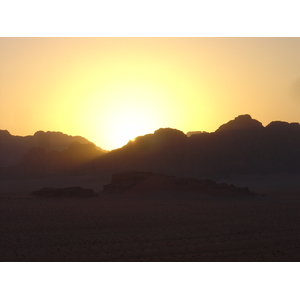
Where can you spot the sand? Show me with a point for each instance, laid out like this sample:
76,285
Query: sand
158,227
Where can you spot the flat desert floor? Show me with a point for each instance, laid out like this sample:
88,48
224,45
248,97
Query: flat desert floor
151,227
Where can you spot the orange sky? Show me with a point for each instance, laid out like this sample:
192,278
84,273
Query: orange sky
110,90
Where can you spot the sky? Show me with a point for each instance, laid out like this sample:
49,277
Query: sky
110,90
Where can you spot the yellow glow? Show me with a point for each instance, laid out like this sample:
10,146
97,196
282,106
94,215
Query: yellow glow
134,97
128,109
110,90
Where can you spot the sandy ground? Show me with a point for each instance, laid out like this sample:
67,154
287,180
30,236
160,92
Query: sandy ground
152,227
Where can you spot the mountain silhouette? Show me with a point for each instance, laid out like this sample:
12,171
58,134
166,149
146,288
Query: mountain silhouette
13,148
241,146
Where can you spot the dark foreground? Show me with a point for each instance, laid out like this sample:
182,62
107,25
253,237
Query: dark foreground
161,227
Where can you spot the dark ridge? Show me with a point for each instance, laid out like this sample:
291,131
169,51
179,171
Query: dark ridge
280,126
240,147
169,134
4,134
241,122
13,148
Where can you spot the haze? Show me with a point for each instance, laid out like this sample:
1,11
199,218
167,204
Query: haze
111,90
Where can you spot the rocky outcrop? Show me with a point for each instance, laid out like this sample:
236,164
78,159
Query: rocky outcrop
124,180
241,122
146,182
64,192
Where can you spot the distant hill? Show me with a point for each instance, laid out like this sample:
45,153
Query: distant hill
38,162
13,148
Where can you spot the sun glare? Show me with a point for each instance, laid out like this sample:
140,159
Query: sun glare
130,109
110,90
131,116
132,123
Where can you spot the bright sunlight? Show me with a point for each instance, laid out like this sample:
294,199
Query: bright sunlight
130,109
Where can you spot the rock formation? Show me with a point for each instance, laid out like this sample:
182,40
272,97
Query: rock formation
241,122
145,182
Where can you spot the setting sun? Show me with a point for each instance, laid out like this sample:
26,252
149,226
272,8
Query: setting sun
129,114
128,108
131,124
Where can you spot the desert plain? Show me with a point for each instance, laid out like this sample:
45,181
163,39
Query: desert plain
151,226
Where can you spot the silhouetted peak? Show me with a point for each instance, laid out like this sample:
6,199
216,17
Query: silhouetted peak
51,134
160,138
39,133
280,125
4,133
169,134
241,122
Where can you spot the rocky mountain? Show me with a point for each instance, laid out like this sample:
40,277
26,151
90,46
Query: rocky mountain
242,146
13,148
